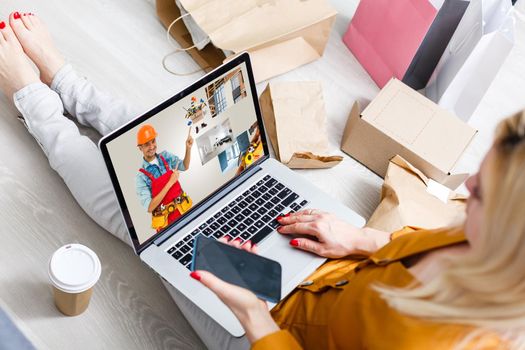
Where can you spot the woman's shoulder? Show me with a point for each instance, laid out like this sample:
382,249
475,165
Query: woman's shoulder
410,241
446,232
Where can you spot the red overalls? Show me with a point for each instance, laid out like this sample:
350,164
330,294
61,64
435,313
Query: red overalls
157,184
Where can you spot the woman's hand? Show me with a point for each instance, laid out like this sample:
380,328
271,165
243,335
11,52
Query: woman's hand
329,236
251,311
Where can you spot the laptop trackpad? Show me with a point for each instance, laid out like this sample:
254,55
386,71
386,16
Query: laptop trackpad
292,260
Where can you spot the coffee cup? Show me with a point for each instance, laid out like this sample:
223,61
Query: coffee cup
74,270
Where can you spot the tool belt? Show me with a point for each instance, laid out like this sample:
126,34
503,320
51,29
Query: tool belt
159,217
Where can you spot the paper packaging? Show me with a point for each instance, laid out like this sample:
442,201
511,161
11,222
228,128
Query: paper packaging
384,35
402,121
277,42
209,57
403,39
409,198
438,36
73,270
473,57
294,118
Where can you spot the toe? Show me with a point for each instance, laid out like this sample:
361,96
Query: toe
31,19
34,19
2,27
26,19
15,21
7,32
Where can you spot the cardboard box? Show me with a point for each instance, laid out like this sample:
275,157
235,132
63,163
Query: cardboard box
402,121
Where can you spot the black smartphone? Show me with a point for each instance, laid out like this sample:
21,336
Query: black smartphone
236,266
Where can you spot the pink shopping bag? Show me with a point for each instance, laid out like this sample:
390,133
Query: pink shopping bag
384,35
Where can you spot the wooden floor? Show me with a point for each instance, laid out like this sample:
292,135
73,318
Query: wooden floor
119,45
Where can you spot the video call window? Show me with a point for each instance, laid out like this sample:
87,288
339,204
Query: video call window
193,147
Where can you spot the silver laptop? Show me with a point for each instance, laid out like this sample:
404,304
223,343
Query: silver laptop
227,183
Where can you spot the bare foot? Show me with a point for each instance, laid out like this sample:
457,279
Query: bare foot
15,69
37,43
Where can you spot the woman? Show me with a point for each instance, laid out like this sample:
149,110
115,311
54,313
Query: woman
424,288
446,288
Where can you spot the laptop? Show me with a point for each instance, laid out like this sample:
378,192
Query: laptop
227,183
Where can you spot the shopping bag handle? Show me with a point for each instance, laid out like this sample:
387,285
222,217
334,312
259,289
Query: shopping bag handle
170,40
178,49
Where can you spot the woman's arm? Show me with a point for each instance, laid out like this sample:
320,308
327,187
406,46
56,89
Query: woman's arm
331,237
251,311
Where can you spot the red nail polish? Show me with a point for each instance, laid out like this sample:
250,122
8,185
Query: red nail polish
195,275
294,243
16,15
2,25
286,215
237,239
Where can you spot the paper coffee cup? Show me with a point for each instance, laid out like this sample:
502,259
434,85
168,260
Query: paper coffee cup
73,270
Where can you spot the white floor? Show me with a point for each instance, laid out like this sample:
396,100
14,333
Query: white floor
119,45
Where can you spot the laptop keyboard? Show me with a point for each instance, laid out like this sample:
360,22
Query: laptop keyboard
250,216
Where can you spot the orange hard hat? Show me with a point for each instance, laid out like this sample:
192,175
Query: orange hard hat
145,134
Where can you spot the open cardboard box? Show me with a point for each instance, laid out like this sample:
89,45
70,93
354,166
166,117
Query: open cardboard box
402,121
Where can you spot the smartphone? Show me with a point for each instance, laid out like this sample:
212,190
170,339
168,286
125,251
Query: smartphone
236,266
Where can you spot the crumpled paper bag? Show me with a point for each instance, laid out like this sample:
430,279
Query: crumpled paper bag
409,198
294,118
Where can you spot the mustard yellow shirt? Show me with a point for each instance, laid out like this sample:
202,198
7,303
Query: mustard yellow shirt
337,308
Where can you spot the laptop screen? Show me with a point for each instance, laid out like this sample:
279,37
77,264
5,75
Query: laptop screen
169,162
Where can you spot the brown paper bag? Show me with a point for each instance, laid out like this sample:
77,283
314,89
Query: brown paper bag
280,35
294,118
409,198
209,57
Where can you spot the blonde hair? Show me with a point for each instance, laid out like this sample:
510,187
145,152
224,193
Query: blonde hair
484,287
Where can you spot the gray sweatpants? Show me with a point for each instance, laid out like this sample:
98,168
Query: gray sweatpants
79,162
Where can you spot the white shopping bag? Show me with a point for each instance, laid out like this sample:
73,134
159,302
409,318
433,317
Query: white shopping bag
476,52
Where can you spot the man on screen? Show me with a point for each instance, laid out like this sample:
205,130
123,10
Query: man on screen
157,181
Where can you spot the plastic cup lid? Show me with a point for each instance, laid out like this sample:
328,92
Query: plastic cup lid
74,268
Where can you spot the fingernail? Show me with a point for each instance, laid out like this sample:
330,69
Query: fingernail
248,242
286,215
2,25
294,243
237,239
280,217
16,15
195,275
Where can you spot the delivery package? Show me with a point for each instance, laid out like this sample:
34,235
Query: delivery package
481,44
280,35
401,121
410,198
403,39
295,120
